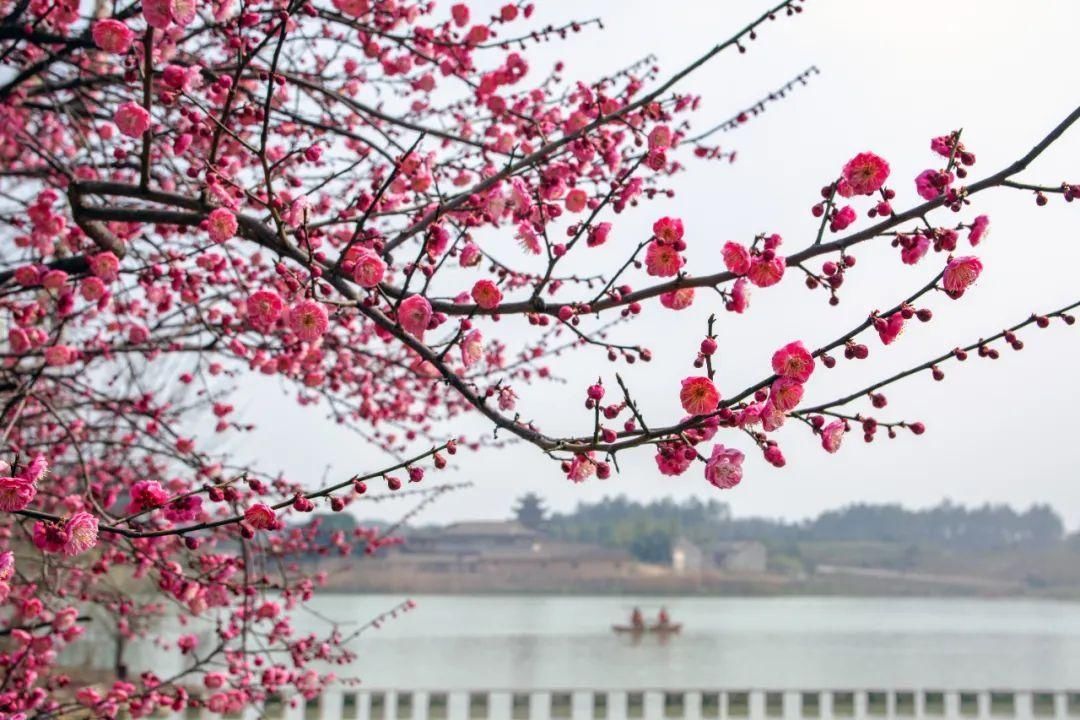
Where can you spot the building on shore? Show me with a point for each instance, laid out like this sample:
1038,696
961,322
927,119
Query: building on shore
734,556
474,537
507,556
503,548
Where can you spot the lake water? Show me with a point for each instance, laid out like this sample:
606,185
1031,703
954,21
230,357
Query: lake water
517,642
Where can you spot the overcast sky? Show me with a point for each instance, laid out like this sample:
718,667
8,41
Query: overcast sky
893,75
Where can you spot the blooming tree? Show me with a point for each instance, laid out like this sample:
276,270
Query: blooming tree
360,198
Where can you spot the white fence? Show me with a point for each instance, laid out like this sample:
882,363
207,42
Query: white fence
367,704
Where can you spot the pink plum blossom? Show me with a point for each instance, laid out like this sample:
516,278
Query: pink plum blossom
132,119
843,218
82,533
264,307
105,265
765,272
158,13
889,328
472,348
785,393
723,469
221,224
184,509
915,250
740,296
662,260
112,36
60,355
736,258
486,294
980,227
576,200
507,398
308,319
793,361
930,184
673,458
370,269
960,273
660,137
598,234
866,173
772,417
182,12
35,469
699,396
704,431
470,255
774,456
678,299
51,537
832,435
582,467
668,230
261,516
16,493
145,495
414,315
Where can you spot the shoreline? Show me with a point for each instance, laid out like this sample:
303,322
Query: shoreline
1073,597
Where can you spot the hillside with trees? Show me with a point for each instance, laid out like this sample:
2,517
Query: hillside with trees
861,534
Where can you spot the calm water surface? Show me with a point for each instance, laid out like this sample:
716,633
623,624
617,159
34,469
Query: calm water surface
504,642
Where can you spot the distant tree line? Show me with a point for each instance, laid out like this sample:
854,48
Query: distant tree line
648,530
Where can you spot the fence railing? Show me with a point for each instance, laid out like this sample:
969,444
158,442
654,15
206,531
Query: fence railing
922,704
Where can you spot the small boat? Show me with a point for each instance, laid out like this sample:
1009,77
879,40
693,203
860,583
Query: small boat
668,629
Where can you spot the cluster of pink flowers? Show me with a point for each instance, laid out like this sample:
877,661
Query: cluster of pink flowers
18,491
663,255
932,184
71,536
190,207
763,267
889,328
793,365
585,465
147,495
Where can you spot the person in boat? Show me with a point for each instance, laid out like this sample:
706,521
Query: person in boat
662,619
637,621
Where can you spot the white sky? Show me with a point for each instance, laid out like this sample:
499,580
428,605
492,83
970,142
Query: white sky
893,76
